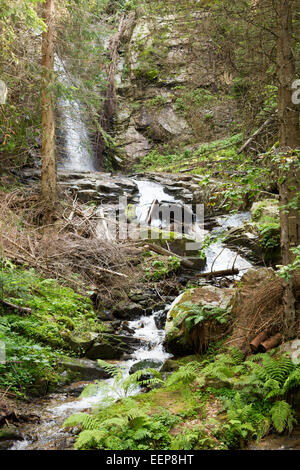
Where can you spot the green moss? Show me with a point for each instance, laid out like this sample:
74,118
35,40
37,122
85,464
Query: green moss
34,342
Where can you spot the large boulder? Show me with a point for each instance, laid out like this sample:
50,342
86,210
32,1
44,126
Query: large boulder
82,369
266,209
109,346
125,310
180,340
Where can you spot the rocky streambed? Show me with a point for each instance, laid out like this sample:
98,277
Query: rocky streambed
135,329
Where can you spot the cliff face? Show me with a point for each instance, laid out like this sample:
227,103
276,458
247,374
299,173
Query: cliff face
172,91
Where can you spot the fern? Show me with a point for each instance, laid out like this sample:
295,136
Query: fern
278,369
91,439
86,421
282,416
292,382
185,374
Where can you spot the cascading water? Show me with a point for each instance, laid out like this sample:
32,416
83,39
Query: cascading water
217,255
78,154
49,434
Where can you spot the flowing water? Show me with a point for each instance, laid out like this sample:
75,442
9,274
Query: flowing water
49,434
78,154
218,256
53,411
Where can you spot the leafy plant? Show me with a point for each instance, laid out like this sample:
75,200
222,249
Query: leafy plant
200,313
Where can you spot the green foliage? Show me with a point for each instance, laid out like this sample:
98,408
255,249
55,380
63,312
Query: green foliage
196,439
200,313
185,374
270,235
57,311
287,271
29,367
35,342
130,429
282,416
162,269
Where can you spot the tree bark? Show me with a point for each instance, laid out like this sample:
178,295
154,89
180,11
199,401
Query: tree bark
49,185
289,139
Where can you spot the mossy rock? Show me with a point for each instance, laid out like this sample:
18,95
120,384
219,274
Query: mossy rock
170,366
83,369
266,209
10,432
110,346
179,340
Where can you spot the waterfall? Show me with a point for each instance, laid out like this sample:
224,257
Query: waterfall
78,154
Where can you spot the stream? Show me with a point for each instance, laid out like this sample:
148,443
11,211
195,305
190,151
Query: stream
52,410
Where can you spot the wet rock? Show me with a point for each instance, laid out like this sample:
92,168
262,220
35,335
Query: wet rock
128,311
170,366
125,329
83,369
112,346
240,237
10,433
76,388
105,315
97,186
160,319
145,364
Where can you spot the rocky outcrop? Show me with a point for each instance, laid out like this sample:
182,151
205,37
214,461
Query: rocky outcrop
97,186
109,346
170,89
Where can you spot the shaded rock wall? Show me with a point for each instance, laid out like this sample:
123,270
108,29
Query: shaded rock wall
171,90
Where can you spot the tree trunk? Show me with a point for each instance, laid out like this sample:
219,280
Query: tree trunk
49,189
289,139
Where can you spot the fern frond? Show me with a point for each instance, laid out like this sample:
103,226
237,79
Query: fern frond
87,422
91,439
282,416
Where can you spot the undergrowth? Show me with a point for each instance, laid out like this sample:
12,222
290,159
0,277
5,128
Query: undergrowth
251,399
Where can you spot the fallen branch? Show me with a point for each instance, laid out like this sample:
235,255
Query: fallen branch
150,211
256,133
224,272
108,271
162,251
16,307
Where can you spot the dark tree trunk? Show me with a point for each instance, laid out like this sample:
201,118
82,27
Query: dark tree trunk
289,140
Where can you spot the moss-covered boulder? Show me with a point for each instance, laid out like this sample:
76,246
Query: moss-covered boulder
109,346
82,369
268,208
196,318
